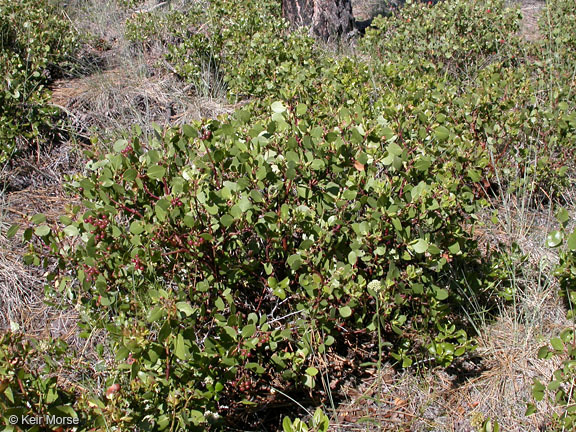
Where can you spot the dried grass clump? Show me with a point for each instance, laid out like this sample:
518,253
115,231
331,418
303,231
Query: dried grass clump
22,287
115,100
19,289
43,167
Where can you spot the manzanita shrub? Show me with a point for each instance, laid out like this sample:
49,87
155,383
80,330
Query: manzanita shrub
230,258
228,255
456,38
36,44
32,381
506,91
559,391
225,43
557,25
248,51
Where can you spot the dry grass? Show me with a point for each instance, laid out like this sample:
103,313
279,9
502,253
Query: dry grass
114,100
22,287
530,10
31,185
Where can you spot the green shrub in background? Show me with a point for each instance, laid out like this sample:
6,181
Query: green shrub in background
515,107
558,52
235,49
557,25
456,38
36,42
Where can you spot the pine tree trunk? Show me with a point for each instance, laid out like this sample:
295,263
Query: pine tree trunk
329,20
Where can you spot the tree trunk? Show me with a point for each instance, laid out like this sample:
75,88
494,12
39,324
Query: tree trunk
328,20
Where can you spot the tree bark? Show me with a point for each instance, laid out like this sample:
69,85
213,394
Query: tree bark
329,20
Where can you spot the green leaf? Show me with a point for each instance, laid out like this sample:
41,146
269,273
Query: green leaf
244,204
423,163
189,131
185,308
12,231
163,422
278,107
554,239
256,196
440,293
248,330
455,248
227,220
474,175
42,230
352,257
538,390
441,133
545,353
180,349
571,241
345,311
255,367
294,261
419,246
156,172
219,303
394,149
136,227
530,409
38,218
161,209
490,426
287,425
120,145
563,215
312,371
71,231
155,314
9,394
64,411
301,109
557,344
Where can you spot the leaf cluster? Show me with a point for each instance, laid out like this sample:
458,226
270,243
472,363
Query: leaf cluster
36,44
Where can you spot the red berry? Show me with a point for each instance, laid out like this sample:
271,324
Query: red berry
114,388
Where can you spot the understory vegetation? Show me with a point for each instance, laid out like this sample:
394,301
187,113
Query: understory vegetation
242,271
36,46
